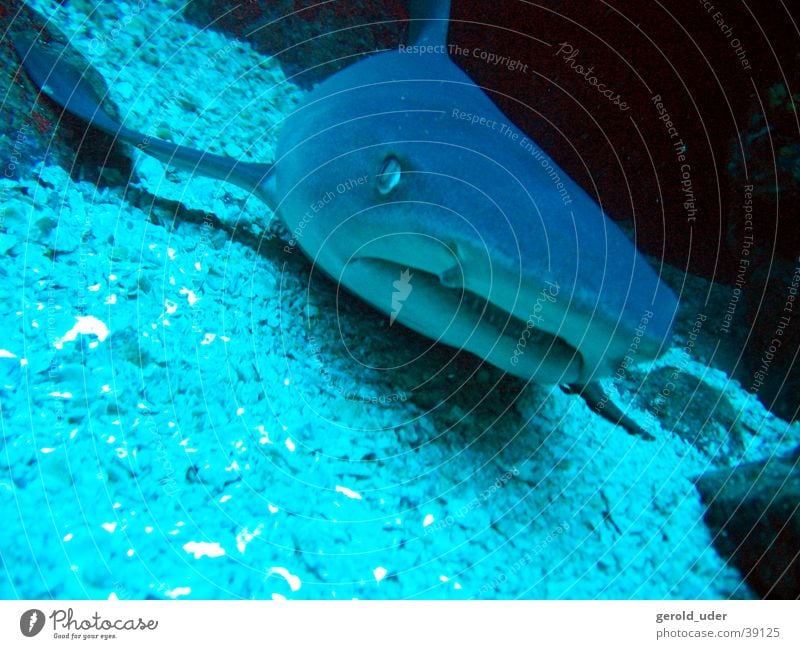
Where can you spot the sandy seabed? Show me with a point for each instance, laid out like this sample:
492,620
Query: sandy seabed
189,411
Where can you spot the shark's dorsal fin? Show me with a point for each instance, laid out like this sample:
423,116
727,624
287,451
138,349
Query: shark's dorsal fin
429,22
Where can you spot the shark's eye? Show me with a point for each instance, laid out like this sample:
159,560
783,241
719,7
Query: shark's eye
389,175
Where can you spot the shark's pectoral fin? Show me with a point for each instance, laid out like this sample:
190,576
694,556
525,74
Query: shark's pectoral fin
65,83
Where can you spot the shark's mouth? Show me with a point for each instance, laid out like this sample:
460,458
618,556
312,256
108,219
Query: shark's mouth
502,320
461,318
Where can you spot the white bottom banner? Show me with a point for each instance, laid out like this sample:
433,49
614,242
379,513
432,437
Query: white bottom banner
387,624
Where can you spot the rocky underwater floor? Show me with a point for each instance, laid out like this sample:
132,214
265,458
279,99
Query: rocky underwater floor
189,411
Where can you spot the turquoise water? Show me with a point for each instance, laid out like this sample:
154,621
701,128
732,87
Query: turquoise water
190,411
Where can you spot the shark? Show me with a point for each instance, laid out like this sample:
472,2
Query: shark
402,180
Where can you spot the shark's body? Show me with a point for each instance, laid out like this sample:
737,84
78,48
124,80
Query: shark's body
478,207
400,169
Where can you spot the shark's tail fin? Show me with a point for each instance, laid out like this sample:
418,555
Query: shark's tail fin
65,83
429,21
